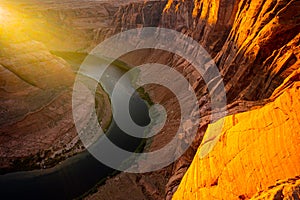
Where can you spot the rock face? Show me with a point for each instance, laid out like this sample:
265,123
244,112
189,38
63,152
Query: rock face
287,189
136,15
255,45
255,52
255,149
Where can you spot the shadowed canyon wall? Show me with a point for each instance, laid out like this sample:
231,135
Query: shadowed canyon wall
255,44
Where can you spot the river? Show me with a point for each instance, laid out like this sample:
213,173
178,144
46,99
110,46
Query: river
80,173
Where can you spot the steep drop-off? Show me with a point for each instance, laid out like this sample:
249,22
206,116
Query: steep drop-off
255,45
260,50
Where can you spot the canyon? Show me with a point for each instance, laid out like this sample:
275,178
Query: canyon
37,128
255,45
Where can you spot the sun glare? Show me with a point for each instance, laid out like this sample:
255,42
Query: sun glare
4,14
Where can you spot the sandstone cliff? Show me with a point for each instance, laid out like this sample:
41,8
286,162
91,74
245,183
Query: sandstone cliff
256,149
255,44
260,50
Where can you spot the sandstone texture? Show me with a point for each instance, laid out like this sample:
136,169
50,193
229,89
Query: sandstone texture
36,122
255,45
259,51
255,149
287,189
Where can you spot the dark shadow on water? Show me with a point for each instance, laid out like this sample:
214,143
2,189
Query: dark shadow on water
77,175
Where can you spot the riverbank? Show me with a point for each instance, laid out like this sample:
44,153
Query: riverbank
83,169
51,157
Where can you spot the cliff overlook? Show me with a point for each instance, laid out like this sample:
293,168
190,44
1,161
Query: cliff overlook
255,45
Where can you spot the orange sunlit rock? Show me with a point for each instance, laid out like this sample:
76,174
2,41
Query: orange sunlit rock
168,5
209,9
287,189
255,149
